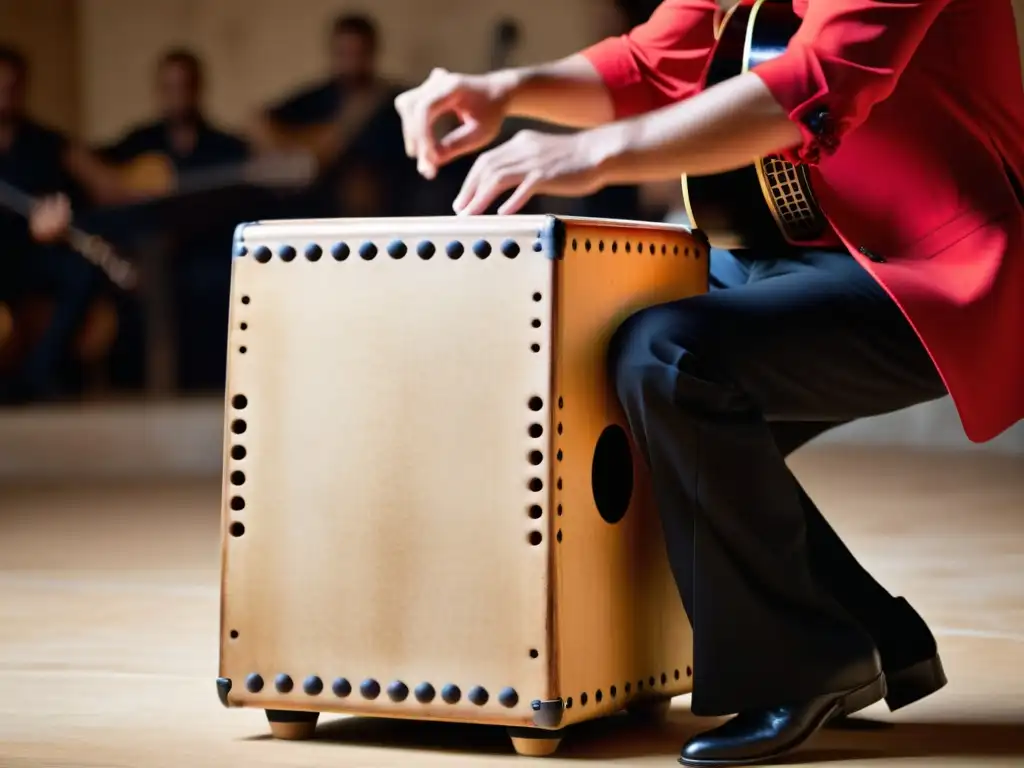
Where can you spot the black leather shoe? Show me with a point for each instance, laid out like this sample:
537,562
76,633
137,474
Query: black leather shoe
915,682
910,658
760,735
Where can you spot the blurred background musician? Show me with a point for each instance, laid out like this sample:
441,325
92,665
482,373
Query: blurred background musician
194,231
349,122
181,133
44,164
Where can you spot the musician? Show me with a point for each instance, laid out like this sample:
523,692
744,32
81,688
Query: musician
909,115
349,121
182,133
184,136
46,164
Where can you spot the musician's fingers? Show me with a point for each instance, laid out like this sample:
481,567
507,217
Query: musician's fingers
402,108
491,185
468,137
50,218
472,180
412,114
407,106
414,108
420,130
427,142
529,187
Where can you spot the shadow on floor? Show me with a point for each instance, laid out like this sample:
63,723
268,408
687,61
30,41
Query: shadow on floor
621,737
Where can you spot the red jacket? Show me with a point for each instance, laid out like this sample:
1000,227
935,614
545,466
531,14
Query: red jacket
913,123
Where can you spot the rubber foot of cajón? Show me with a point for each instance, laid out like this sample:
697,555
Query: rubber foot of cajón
535,742
292,726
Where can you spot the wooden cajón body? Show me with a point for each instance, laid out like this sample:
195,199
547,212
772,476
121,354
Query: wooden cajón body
432,508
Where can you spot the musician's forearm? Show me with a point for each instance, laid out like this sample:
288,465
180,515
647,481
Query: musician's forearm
567,92
723,128
262,133
99,181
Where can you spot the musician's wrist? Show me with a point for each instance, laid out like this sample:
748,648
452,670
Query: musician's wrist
608,148
505,86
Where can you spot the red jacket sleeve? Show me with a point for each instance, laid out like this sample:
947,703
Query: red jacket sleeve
659,62
846,57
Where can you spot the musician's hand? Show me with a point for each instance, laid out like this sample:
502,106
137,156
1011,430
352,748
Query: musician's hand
50,218
479,101
532,163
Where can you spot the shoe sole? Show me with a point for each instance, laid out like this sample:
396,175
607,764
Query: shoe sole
845,704
914,683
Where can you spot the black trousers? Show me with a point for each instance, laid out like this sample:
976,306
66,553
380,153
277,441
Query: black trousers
72,282
718,390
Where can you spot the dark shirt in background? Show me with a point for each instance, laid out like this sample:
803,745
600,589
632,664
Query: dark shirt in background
34,161
213,147
197,227
314,104
202,216
377,149
34,164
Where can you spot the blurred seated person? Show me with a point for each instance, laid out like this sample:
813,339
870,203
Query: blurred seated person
181,133
58,172
349,122
201,244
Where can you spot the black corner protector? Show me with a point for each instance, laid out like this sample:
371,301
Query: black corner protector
238,239
536,733
223,689
547,714
553,237
700,236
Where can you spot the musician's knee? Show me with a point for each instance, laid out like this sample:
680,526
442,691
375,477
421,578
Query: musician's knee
646,349
674,353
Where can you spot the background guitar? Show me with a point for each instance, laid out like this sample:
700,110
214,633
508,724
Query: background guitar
95,249
154,176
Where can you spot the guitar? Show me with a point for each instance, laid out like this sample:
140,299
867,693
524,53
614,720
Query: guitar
153,174
771,200
94,249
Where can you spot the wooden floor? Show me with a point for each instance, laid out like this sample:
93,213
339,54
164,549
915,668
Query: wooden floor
109,610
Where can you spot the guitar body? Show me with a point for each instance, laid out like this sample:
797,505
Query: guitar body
769,202
151,173
317,139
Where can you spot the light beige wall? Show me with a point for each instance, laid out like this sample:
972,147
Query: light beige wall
258,49
45,31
